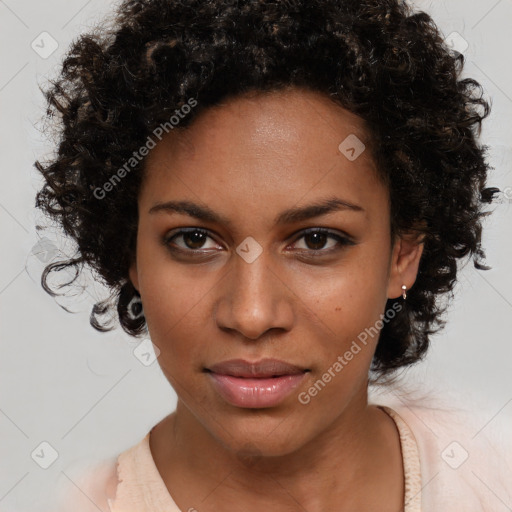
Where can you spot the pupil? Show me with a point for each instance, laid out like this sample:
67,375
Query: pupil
318,237
197,238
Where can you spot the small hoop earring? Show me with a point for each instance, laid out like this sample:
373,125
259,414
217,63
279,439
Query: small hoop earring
135,309
404,295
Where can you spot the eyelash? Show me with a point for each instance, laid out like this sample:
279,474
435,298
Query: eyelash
342,241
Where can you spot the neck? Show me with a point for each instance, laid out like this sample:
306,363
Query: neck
349,466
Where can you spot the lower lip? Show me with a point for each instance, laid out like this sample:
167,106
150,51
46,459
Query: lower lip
255,393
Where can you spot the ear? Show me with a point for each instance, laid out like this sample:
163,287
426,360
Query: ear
405,260
134,275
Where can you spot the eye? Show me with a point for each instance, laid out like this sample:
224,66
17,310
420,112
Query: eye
193,239
316,238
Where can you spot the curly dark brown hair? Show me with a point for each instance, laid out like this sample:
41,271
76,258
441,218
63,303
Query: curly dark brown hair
379,59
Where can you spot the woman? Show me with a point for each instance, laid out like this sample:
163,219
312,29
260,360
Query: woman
278,194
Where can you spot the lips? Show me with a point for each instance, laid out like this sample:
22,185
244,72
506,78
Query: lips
265,383
266,368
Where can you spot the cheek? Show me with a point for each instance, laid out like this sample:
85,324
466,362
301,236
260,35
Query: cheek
342,314
175,300
347,300
175,311
176,323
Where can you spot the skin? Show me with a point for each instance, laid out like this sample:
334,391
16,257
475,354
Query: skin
248,160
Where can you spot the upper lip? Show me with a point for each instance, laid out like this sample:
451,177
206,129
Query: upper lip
259,369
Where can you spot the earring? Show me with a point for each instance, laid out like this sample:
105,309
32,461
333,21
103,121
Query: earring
135,310
404,295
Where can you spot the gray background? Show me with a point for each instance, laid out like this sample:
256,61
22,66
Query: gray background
88,394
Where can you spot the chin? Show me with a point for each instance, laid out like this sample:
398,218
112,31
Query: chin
261,436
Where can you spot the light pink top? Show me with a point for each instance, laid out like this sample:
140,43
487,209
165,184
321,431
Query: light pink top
446,466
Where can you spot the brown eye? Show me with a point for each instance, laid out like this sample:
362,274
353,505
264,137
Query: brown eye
316,239
193,239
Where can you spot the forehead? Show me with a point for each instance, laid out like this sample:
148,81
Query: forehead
272,147
294,118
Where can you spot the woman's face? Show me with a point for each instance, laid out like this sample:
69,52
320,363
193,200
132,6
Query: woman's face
252,175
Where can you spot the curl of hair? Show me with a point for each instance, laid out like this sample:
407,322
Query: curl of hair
377,58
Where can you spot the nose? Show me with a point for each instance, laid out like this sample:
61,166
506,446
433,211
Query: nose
254,298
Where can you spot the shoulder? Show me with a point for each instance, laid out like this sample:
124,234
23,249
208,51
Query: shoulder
465,454
88,486
101,485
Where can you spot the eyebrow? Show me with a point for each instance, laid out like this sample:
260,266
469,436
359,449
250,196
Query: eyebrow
296,214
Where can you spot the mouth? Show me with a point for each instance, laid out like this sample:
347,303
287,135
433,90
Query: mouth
263,369
261,384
